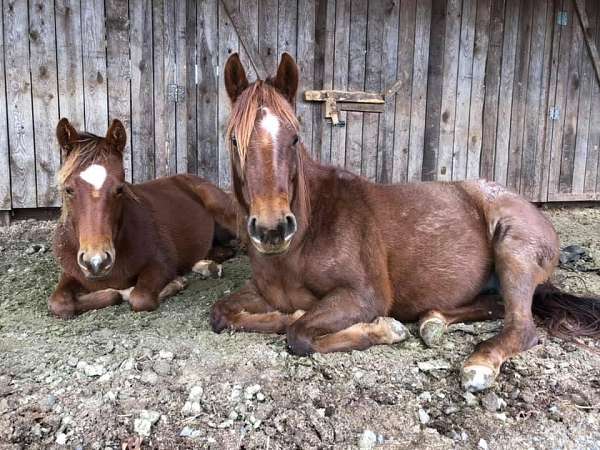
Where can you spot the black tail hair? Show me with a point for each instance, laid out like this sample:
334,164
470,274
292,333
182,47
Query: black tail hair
567,315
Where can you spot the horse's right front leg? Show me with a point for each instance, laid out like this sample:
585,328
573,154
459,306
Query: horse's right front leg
247,310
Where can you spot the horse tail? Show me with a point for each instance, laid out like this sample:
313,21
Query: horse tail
566,315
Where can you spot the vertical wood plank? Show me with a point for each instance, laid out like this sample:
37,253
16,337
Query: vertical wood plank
286,27
228,44
267,33
373,77
492,90
419,90
403,96
537,102
340,76
356,82
588,81
181,76
248,37
142,126
42,45
18,99
451,52
170,69
161,147
207,47
572,106
592,167
94,66
5,195
190,101
306,64
463,90
434,90
118,71
69,61
385,157
511,28
480,51
515,147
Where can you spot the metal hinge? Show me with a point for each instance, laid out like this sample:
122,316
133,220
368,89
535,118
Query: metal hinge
562,18
554,113
175,93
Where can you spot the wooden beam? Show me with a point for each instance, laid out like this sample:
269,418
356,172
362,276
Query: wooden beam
345,96
591,45
361,107
247,40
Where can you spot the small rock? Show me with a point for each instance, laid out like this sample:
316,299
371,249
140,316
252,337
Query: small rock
260,397
162,367
482,444
424,397
527,397
128,364
492,402
192,406
226,424
72,361
163,354
451,410
143,424
423,416
34,248
91,370
501,416
470,399
250,391
61,438
433,364
149,377
367,440
190,432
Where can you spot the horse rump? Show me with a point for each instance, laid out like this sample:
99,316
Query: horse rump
567,315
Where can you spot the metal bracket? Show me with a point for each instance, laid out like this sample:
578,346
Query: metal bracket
562,18
554,113
175,93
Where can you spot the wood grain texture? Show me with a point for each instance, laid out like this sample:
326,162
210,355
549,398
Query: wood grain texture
287,27
592,166
170,79
190,100
5,194
306,63
18,101
69,61
208,76
94,66
44,84
142,126
161,148
478,87
356,82
119,72
181,74
267,34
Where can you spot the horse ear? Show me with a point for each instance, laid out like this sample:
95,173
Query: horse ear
116,135
286,80
66,134
235,77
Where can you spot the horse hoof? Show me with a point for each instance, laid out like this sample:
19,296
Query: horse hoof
396,330
432,330
208,269
477,377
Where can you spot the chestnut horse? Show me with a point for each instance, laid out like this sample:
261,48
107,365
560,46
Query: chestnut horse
117,241
336,258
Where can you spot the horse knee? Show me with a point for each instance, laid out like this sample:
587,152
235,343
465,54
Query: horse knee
299,340
61,307
219,317
141,301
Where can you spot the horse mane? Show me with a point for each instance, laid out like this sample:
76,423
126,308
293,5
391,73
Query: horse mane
244,110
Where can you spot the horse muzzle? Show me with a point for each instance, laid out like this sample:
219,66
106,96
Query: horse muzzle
272,237
96,263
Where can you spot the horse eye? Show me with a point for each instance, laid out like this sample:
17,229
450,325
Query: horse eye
70,191
295,141
119,190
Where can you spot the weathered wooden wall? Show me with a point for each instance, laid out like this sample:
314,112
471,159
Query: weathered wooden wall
501,89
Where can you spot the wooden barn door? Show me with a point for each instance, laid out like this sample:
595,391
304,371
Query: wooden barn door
573,131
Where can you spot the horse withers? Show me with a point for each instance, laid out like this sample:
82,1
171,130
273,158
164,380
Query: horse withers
116,241
337,260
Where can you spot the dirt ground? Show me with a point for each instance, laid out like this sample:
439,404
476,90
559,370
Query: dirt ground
110,375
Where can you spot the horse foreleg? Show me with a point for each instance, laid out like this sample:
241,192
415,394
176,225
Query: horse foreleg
247,310
68,300
343,320
433,324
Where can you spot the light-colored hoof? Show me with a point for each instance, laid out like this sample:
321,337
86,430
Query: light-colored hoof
180,282
299,313
395,330
208,268
432,331
477,377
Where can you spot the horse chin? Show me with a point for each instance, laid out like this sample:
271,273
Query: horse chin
272,249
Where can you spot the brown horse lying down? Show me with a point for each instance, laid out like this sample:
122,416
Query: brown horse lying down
117,241
333,255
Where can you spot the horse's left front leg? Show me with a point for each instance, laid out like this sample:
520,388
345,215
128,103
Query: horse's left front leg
345,319
149,289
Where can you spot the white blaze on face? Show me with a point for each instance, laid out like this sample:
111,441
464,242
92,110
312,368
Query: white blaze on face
94,175
270,123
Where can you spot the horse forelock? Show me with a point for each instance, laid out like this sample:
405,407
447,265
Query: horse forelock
85,152
243,115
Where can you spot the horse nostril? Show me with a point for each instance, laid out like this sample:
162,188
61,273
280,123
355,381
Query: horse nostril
80,259
252,230
108,260
291,225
